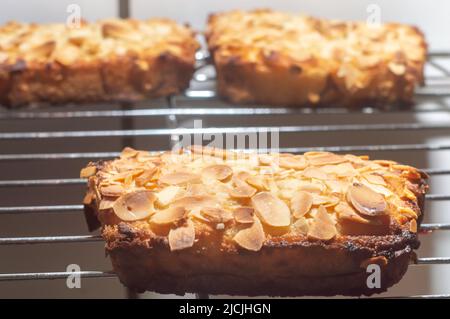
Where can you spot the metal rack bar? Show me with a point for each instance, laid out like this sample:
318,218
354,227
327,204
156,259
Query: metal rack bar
40,209
56,275
225,130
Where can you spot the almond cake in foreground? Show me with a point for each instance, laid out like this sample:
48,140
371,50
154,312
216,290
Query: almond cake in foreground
219,222
109,60
275,58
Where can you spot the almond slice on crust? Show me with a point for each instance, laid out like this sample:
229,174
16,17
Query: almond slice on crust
272,210
251,238
366,201
242,192
135,206
179,178
167,195
219,171
292,162
314,172
182,237
324,158
301,226
216,215
322,226
195,202
170,215
88,171
112,190
146,176
244,215
259,182
301,203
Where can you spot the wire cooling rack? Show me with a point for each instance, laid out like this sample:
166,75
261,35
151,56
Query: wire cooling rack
189,104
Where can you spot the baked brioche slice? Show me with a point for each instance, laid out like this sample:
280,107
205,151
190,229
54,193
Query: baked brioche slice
110,60
276,58
219,222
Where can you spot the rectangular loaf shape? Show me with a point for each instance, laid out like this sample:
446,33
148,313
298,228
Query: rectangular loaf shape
109,60
218,222
276,58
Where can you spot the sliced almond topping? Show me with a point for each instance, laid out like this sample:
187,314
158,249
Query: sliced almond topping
272,210
182,237
216,215
325,200
301,226
366,201
179,178
106,204
258,182
135,206
301,203
312,187
244,215
292,162
128,152
265,159
126,175
375,179
168,216
195,202
242,192
167,195
146,176
345,212
43,50
112,190
324,158
88,171
413,226
240,177
251,238
322,227
314,172
396,68
219,172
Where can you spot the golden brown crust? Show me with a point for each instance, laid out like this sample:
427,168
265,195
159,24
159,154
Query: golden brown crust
290,260
110,60
269,57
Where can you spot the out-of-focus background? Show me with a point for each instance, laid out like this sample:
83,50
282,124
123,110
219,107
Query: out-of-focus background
430,16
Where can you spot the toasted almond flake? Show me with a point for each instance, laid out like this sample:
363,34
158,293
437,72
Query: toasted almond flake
377,188
146,176
324,158
244,215
322,226
135,206
182,237
312,187
366,201
167,195
126,175
88,198
106,204
242,192
292,162
301,226
170,215
195,202
265,159
112,190
179,178
272,210
88,171
325,200
258,182
128,152
375,179
396,68
216,215
301,203
337,186
413,226
196,190
313,172
341,170
251,238
219,172
345,212
239,178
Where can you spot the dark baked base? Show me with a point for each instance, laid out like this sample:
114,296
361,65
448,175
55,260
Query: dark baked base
122,79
